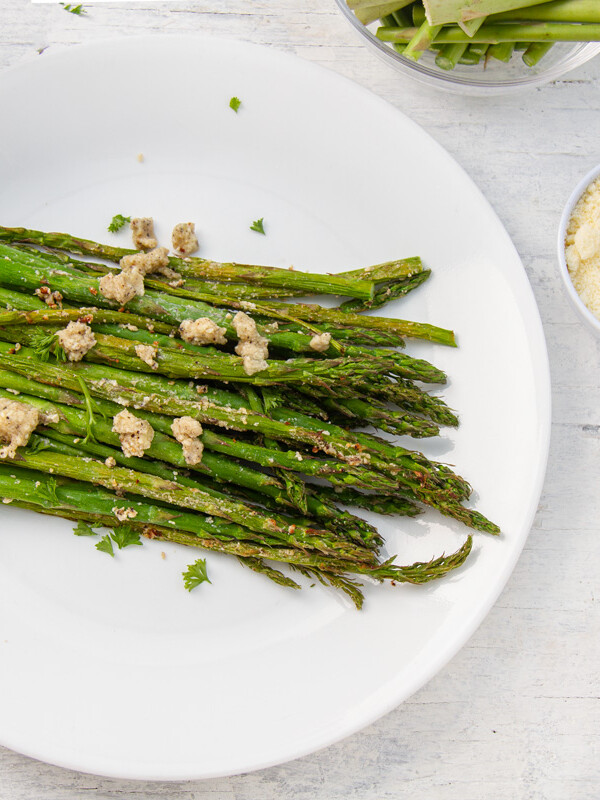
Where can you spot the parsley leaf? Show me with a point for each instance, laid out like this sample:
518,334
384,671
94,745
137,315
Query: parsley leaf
195,574
105,546
46,493
89,411
125,535
78,10
258,226
83,529
235,103
117,222
43,344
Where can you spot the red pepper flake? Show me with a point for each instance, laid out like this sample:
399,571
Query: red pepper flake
93,291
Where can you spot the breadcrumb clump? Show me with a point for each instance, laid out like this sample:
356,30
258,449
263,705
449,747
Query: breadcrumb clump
52,299
122,287
135,434
202,331
146,263
184,239
320,342
187,430
252,347
17,423
142,233
123,514
148,354
129,283
110,462
76,340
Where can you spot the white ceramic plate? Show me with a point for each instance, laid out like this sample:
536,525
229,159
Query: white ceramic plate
109,666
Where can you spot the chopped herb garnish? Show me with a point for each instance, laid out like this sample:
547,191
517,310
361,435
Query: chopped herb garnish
43,344
83,529
89,410
195,574
235,103
117,222
124,536
105,546
46,493
258,226
78,10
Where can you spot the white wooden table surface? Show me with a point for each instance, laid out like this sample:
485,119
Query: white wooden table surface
516,715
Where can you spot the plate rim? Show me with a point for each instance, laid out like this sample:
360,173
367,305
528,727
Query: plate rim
541,380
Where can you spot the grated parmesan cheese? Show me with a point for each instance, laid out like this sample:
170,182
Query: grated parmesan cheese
129,283
184,239
252,347
320,342
122,287
135,434
142,233
582,247
148,354
123,514
146,263
76,340
202,331
17,423
187,430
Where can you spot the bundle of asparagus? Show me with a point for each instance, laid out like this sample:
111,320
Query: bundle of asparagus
203,411
467,31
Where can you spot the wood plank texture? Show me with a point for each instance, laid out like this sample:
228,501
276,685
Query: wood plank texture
516,715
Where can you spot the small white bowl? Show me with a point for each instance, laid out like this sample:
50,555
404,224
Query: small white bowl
574,297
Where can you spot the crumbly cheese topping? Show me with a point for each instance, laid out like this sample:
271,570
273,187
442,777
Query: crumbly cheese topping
123,514
184,239
148,354
142,233
582,247
202,331
320,342
252,347
122,287
174,278
76,340
135,434
187,430
110,462
129,283
146,263
17,423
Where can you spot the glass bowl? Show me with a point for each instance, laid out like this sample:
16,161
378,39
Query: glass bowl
496,78
582,310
